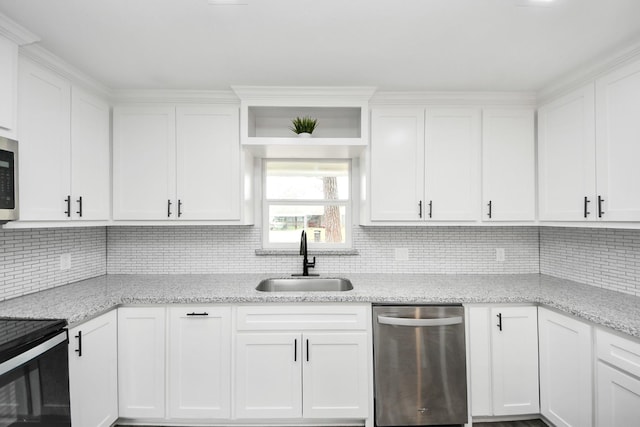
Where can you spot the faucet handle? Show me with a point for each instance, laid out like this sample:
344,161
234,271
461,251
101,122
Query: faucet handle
312,264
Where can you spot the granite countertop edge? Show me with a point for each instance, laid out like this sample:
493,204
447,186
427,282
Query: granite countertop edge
83,300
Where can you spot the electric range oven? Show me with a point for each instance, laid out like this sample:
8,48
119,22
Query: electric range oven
34,373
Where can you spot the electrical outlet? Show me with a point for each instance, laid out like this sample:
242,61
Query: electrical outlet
500,254
65,261
401,254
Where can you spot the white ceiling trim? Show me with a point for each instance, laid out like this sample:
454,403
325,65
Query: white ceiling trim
16,32
175,96
314,95
454,98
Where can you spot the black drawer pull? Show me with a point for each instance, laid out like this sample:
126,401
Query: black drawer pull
79,211
600,211
68,202
489,204
204,313
586,206
499,325
79,349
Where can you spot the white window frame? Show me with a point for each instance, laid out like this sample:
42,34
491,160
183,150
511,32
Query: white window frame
347,203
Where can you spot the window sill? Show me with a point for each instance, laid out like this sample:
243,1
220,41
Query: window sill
295,252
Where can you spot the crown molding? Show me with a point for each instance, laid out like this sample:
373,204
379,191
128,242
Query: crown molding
47,59
318,95
454,98
16,32
174,96
589,73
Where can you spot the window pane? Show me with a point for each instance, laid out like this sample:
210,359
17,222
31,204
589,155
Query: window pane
307,180
324,224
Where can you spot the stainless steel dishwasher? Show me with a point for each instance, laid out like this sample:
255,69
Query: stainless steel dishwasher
420,370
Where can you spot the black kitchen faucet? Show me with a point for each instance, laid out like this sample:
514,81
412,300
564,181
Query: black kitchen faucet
306,265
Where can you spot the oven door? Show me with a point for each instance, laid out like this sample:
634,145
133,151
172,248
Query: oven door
34,386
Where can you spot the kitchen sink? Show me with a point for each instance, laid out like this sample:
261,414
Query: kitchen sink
305,284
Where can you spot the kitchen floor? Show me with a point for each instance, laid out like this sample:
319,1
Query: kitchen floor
525,423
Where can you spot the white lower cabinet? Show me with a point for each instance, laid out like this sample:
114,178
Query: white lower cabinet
302,362
566,390
504,360
199,361
618,380
141,362
93,367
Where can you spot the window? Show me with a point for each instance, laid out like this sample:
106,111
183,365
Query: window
311,195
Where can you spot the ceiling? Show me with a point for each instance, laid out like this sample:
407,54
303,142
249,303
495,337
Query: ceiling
483,45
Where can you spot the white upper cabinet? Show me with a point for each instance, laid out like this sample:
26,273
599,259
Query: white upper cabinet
8,87
177,163
425,166
45,149
618,144
508,165
208,163
90,156
566,157
144,163
64,149
397,164
452,164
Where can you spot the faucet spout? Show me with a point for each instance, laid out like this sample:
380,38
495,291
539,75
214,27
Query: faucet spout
306,265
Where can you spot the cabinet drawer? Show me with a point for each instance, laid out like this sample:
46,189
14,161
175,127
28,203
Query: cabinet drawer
620,352
286,317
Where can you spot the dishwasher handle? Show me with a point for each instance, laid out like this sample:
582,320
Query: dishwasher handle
403,321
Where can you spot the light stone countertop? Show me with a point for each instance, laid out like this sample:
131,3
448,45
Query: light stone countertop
85,299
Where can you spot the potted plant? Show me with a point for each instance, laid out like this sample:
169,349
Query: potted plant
303,126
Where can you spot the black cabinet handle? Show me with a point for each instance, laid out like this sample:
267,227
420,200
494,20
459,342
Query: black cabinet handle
499,325
179,208
307,350
68,202
79,349
600,211
168,208
489,204
204,313
586,206
420,209
295,350
79,211
430,208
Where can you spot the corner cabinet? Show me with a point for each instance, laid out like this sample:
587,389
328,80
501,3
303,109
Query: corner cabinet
566,374
508,165
424,165
179,163
503,351
64,149
93,371
301,361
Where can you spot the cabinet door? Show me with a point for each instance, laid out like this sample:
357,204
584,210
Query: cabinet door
208,168
618,397
141,362
8,87
618,147
514,344
452,164
93,372
397,164
565,369
268,375
45,170
144,162
566,157
335,376
508,165
200,362
90,161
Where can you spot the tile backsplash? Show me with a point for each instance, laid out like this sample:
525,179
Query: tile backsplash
30,259
607,258
231,249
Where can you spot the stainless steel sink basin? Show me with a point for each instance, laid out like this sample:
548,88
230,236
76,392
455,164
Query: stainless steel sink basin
305,284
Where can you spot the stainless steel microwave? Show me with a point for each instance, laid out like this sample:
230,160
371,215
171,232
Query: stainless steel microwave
8,180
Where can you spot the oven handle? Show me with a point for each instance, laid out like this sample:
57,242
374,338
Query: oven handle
403,321
32,353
